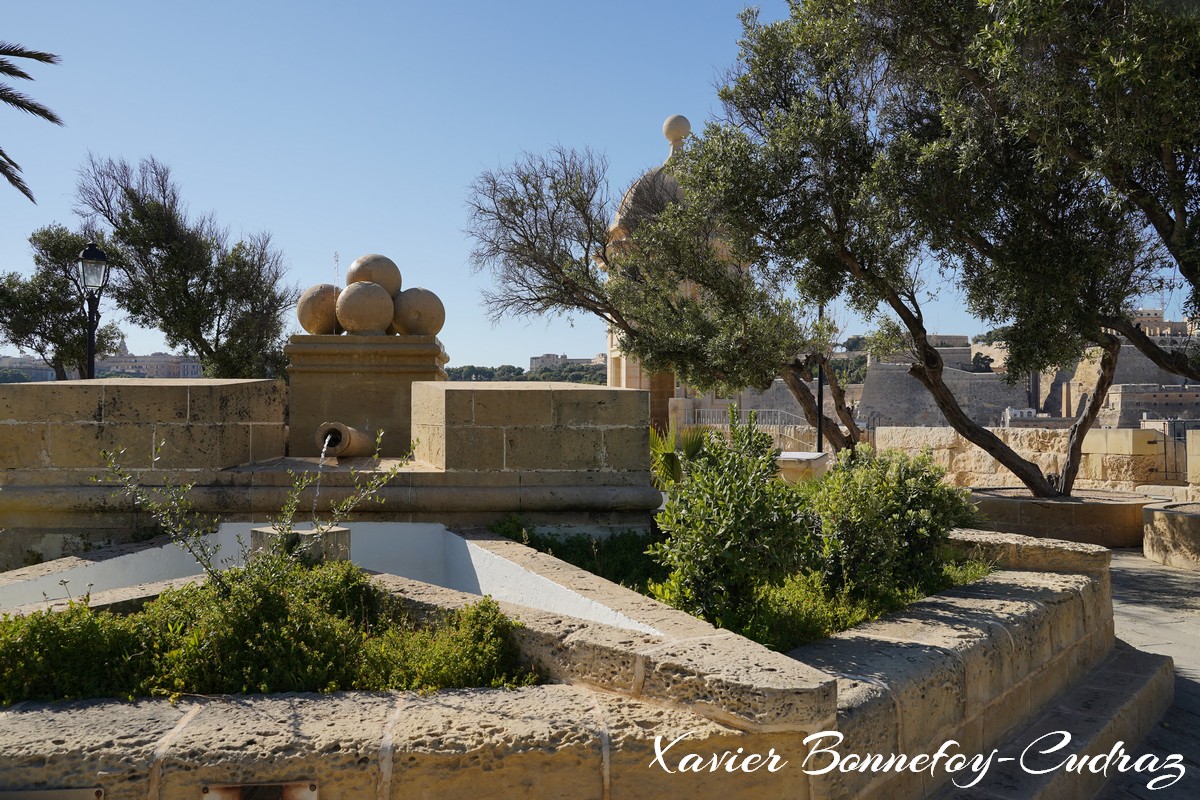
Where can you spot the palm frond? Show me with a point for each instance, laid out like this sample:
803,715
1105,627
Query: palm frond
11,50
23,102
11,172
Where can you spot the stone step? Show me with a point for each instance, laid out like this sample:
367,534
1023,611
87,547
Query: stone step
1107,714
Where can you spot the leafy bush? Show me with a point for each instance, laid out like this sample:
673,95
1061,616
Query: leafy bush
884,518
671,450
70,654
472,646
276,626
730,527
802,608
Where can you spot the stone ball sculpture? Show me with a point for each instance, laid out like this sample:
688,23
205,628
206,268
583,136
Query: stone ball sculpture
365,308
317,309
676,128
375,269
418,312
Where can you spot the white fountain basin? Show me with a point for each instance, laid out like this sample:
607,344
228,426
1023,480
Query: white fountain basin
426,552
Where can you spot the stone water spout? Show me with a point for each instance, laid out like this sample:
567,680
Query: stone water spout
341,441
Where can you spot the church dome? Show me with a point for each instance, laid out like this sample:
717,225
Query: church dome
650,194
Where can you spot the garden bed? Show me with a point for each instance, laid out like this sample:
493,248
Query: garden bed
977,661
1109,519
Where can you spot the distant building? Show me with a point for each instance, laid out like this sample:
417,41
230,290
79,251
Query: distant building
552,361
1151,321
155,365
33,368
1128,404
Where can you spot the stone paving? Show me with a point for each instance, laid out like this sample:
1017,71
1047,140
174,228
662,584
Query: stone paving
1157,609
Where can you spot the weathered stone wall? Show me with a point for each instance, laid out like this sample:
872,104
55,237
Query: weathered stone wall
52,435
974,665
553,453
195,423
891,396
1119,459
530,427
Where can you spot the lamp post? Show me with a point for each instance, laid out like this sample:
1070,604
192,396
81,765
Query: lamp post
93,277
820,390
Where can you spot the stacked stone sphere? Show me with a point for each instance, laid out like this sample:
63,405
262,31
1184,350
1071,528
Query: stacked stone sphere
372,304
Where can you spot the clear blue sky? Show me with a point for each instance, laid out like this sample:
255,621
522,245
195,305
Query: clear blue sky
358,127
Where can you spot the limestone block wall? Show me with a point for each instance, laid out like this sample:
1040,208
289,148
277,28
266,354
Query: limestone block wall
195,423
1119,459
530,427
52,435
360,381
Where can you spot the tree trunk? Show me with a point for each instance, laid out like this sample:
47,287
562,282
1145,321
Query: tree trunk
929,373
60,372
1171,360
853,433
1108,368
794,376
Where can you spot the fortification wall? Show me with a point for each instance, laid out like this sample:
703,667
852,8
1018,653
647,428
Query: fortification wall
893,397
1118,459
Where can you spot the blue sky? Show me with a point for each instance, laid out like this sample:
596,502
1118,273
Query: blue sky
358,127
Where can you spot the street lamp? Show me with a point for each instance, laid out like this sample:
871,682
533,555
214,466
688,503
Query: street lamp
820,390
93,277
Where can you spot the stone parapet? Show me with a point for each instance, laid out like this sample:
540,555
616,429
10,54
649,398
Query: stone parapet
1119,459
194,423
971,664
1110,519
975,664
531,427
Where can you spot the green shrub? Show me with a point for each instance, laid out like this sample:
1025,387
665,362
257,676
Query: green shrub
472,646
671,450
884,517
272,631
275,625
70,654
730,526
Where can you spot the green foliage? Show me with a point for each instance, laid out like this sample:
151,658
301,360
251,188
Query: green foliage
471,646
9,169
730,525
595,374
802,608
71,654
620,557
852,369
8,375
981,363
44,314
993,336
272,631
223,300
172,510
280,626
884,517
669,451
780,565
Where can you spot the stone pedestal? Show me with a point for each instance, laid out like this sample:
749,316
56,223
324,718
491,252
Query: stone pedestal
331,544
364,382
